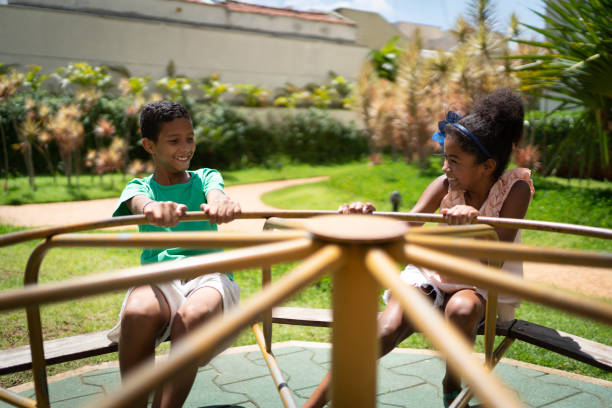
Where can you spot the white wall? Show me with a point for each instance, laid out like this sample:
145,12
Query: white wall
53,38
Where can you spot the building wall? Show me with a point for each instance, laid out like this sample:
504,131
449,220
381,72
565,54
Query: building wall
53,37
373,31
434,38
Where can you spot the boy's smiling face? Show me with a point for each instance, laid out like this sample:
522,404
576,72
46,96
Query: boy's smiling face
174,148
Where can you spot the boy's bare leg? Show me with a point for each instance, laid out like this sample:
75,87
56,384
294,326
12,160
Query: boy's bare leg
145,315
465,309
393,328
200,306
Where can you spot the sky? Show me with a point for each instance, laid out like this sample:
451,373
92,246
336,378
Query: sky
441,13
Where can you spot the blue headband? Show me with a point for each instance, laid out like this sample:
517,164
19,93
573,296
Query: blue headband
451,119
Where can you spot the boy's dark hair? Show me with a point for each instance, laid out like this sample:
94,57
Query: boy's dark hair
156,112
497,121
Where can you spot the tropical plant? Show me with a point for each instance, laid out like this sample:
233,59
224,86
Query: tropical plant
68,132
416,77
252,95
175,88
108,159
213,89
84,75
10,81
33,78
386,59
26,133
44,138
575,70
399,102
527,156
133,85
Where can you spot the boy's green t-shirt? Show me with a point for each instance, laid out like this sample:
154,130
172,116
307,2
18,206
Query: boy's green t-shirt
192,194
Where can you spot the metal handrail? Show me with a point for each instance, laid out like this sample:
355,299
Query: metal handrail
45,232
291,245
203,239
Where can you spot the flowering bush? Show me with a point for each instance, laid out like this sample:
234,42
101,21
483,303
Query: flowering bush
92,122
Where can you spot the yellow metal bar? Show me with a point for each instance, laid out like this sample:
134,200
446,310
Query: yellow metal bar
275,371
490,323
187,268
40,233
466,393
16,400
35,335
470,230
510,251
453,346
512,223
212,239
488,278
39,366
354,335
491,313
200,344
266,279
464,231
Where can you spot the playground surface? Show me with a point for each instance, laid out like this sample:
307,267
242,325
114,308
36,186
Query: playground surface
239,378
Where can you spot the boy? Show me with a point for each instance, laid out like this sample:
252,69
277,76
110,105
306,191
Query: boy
152,313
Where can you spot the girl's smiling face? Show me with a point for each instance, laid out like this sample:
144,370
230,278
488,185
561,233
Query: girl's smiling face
461,169
174,148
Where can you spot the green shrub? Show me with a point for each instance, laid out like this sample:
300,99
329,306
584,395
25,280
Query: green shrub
562,151
226,139
316,137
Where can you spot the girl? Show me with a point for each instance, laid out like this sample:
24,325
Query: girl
476,149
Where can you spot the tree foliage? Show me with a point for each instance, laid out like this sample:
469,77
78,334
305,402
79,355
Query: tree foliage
572,64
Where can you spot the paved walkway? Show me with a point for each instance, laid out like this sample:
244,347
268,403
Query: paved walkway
239,378
54,214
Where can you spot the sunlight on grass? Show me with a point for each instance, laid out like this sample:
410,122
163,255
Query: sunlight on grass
110,185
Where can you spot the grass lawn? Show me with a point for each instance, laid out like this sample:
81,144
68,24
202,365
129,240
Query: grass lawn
110,185
555,200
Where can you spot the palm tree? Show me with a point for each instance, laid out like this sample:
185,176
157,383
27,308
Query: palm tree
576,71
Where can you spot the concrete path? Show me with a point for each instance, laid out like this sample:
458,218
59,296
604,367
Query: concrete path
239,378
53,214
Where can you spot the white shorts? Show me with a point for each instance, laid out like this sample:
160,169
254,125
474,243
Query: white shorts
176,292
413,276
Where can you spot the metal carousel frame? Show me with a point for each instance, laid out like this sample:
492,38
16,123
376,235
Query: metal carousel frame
360,251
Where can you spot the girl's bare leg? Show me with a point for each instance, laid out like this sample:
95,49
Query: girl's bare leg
393,328
145,315
464,309
200,306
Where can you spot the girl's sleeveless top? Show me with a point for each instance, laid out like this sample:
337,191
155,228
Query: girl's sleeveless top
490,208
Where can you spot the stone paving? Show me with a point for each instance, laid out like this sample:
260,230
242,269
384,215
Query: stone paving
239,378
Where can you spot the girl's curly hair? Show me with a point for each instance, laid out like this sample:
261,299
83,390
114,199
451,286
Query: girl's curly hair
497,121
